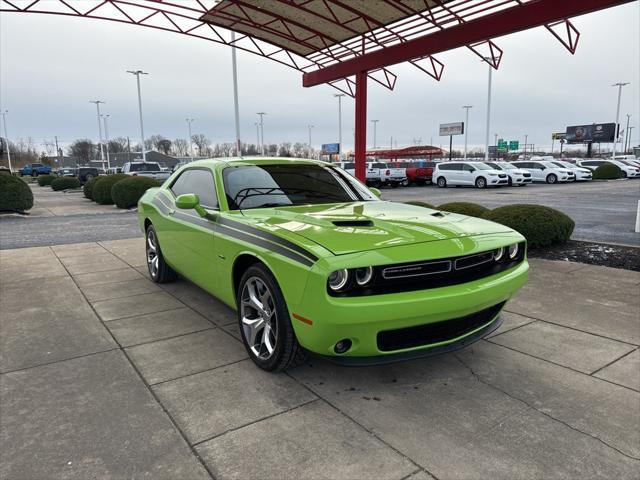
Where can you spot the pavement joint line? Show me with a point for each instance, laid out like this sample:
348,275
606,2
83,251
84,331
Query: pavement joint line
119,297
317,399
58,361
612,362
488,340
199,372
406,477
513,328
130,316
369,431
171,337
575,329
144,382
562,422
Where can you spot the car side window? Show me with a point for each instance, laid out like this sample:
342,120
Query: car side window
199,182
445,167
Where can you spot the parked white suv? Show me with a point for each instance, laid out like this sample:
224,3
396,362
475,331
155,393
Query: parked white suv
468,173
545,171
517,176
378,173
627,170
582,173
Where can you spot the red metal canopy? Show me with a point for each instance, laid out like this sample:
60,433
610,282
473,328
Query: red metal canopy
415,151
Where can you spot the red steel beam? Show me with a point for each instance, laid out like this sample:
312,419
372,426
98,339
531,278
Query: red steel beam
361,126
522,17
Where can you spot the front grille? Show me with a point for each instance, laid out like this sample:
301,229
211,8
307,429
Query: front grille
502,175
431,333
526,175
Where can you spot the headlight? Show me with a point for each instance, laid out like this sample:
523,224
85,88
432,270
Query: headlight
364,275
498,254
338,279
513,250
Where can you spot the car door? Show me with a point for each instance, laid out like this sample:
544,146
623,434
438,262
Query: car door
191,241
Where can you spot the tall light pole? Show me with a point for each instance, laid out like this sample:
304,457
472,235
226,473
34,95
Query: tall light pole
375,125
526,137
189,120
137,73
626,133
235,92
339,95
6,138
486,151
615,134
630,144
257,136
98,102
261,132
106,138
466,128
310,148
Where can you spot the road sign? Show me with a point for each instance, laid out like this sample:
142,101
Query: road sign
330,148
493,150
558,136
514,145
447,129
502,144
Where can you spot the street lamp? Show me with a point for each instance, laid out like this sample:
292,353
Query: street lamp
137,73
486,150
526,137
630,145
6,138
626,133
466,128
615,134
98,102
257,135
106,138
375,124
261,132
339,95
309,127
189,120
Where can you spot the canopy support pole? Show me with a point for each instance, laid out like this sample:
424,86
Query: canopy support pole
361,126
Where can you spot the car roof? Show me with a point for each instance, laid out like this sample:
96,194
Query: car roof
219,163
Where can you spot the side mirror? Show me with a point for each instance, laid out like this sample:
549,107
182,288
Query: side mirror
376,192
472,170
190,201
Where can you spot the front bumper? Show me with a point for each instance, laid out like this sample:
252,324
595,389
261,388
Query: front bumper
361,319
498,181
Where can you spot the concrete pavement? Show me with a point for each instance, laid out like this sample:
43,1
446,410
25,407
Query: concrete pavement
107,375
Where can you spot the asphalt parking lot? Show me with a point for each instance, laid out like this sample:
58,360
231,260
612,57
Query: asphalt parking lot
603,212
107,375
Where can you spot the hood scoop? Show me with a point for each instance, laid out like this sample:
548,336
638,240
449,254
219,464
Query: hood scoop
353,223
437,214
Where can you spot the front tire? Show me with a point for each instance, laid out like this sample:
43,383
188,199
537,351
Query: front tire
552,178
265,325
159,271
442,182
481,182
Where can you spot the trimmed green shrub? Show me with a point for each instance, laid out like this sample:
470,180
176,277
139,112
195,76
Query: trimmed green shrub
127,192
540,225
421,204
607,171
5,171
15,195
102,188
65,183
44,180
464,208
87,188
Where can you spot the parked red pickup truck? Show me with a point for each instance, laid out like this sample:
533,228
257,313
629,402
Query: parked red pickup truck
418,173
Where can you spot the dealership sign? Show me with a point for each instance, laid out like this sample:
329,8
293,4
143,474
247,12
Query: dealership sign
330,148
447,129
597,132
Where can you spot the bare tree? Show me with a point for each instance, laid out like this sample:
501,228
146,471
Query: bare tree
180,147
83,150
202,144
118,145
284,150
164,146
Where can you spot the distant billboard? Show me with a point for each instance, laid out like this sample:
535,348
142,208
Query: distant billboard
594,133
447,129
330,148
559,136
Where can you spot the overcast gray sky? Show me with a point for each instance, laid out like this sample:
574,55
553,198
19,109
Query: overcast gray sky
52,66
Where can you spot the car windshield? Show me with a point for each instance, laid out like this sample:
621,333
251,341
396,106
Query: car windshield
263,186
481,166
564,164
549,164
144,167
507,166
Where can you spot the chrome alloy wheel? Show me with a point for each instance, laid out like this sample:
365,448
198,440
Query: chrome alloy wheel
259,319
152,253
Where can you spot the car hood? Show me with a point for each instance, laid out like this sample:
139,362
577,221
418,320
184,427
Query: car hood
355,227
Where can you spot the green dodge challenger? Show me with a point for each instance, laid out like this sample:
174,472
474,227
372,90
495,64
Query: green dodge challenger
314,261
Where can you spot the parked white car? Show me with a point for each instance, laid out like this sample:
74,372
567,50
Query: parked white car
516,176
627,170
145,169
378,173
545,171
475,174
582,174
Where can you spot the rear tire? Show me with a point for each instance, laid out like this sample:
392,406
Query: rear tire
552,178
159,271
263,318
481,182
441,182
